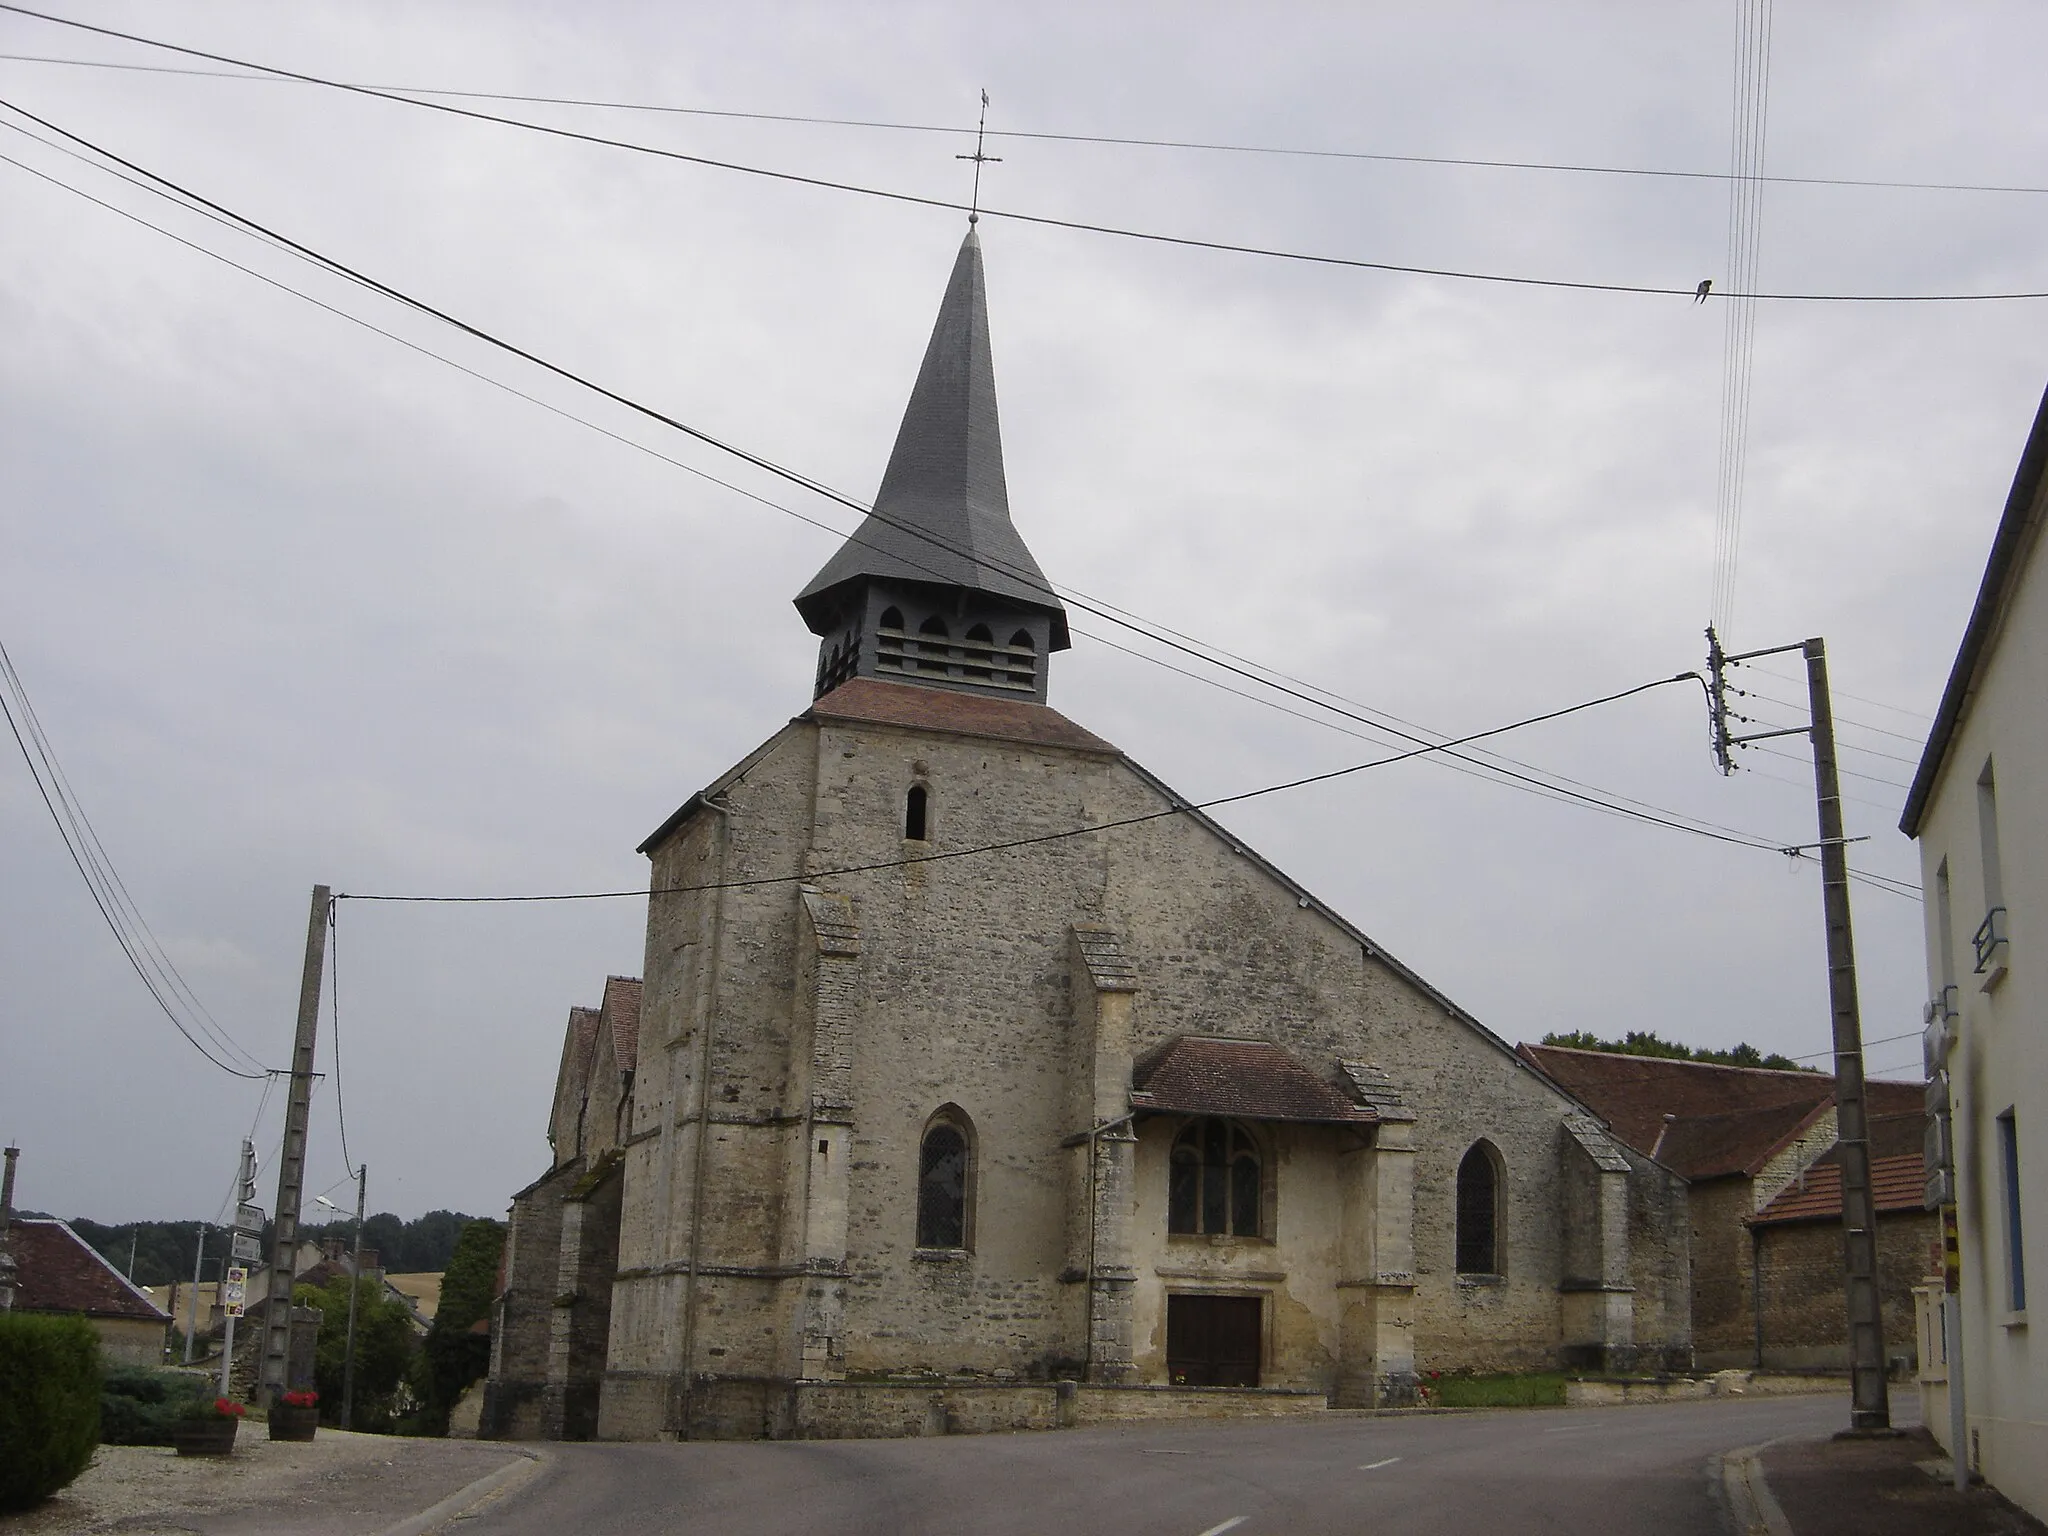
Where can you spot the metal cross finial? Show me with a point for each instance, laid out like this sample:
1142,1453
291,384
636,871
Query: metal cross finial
979,159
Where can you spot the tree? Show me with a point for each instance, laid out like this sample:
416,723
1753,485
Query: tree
385,1346
1644,1042
455,1353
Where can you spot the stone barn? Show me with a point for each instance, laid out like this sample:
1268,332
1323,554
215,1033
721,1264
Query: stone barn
979,1080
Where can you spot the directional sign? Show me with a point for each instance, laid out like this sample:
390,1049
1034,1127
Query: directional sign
234,1292
249,1218
247,1247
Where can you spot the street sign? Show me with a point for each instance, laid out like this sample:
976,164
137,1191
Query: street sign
249,1218
234,1291
247,1247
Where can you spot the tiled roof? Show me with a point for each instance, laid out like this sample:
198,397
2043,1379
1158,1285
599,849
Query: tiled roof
622,1009
1251,1079
1701,1120
924,708
1896,1184
59,1271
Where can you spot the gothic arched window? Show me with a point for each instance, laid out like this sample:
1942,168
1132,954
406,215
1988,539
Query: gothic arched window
944,1182
892,618
1479,1211
915,805
1214,1180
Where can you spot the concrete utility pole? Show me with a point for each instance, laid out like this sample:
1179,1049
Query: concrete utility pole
8,1273
355,1285
291,1164
1870,1401
192,1317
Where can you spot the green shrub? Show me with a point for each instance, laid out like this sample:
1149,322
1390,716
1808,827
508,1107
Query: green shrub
138,1406
49,1404
1533,1389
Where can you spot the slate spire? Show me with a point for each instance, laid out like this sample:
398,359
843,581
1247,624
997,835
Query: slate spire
940,540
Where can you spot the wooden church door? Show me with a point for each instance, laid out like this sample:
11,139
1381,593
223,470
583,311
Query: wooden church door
1213,1341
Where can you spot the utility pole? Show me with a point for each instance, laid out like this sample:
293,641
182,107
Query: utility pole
192,1312
291,1164
9,1272
233,1295
1870,1402
355,1285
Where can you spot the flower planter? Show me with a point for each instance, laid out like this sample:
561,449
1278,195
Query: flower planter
204,1437
289,1423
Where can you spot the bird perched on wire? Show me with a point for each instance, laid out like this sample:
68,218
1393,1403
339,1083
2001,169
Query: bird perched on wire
1699,294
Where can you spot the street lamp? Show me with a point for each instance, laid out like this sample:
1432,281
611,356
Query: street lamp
355,1280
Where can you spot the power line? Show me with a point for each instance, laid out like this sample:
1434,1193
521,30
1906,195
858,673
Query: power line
1843,693
1878,730
1042,220
1047,136
1158,634
334,992
152,966
1887,1040
1174,809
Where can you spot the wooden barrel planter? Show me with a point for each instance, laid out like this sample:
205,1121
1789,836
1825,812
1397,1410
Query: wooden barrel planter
289,1423
204,1437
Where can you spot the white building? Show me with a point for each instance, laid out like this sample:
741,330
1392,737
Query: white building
1979,808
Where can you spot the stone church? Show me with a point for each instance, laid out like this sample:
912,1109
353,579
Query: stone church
978,1080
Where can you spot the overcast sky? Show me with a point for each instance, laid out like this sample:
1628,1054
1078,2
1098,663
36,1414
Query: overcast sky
296,604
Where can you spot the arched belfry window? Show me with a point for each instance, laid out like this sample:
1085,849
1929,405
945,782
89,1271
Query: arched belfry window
892,618
915,807
1215,1180
945,1173
1479,1211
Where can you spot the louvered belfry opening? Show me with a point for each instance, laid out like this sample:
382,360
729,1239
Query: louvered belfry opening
936,587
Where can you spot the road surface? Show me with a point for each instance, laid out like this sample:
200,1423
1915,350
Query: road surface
1637,1471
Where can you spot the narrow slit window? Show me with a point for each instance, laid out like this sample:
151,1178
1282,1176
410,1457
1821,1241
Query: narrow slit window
2015,1246
915,805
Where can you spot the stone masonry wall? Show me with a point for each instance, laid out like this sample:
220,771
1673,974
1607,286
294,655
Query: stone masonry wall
1805,1319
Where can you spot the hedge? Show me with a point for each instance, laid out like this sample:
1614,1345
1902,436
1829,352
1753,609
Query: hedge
138,1406
49,1404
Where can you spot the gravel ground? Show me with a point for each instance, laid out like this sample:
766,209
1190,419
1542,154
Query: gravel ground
334,1485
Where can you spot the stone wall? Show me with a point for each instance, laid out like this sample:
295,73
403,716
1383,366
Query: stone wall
1805,1318
1723,1312
522,1322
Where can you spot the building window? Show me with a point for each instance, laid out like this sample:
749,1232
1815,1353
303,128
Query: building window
1214,1181
1479,1211
944,1169
914,813
2015,1248
1022,667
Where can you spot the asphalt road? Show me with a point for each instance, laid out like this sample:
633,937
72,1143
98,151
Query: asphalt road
1586,1472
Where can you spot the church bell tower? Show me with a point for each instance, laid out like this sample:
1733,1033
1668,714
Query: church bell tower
935,587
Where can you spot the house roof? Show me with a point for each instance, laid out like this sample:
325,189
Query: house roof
621,1010
942,515
872,701
1248,1079
1703,1120
2019,529
59,1271
1897,1183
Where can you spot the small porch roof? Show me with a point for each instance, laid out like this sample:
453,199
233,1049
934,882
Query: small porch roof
1244,1079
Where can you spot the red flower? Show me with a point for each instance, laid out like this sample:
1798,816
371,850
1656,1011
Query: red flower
306,1399
228,1408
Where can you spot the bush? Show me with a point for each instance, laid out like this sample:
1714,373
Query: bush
49,1404
139,1406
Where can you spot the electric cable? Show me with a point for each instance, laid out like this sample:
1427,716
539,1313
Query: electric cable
1043,136
1041,220
84,858
1112,615
334,1049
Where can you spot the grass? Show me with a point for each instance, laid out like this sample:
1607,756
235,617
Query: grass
1530,1389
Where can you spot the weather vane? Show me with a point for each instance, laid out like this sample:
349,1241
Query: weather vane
979,159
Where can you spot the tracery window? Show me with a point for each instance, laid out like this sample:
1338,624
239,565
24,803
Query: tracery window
944,1173
1479,1211
1214,1181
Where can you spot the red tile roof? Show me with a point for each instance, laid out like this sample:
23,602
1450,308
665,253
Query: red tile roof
1250,1079
622,1009
1896,1184
59,1271
918,707
1702,1120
